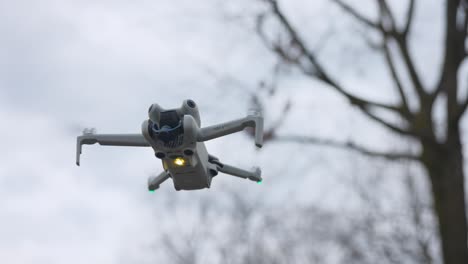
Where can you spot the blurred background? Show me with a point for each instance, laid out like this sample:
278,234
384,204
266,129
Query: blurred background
346,179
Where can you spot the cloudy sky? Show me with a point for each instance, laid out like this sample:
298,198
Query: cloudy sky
67,65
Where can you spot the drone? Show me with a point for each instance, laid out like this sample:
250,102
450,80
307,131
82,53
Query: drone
178,141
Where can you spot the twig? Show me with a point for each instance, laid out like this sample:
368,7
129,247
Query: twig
345,145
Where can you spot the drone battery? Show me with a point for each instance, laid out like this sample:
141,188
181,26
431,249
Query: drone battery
193,174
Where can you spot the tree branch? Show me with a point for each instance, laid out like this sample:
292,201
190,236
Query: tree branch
394,74
409,17
318,71
386,14
454,42
461,109
345,145
350,10
414,76
387,27
399,130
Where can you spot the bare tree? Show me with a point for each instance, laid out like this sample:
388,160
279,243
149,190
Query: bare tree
379,234
275,233
442,158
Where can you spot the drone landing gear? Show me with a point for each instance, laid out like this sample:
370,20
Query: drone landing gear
255,175
155,182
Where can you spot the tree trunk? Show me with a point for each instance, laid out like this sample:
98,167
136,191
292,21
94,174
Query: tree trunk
444,165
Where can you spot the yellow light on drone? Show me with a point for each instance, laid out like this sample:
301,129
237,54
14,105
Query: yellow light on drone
179,161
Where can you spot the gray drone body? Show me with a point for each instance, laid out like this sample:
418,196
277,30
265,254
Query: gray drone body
177,139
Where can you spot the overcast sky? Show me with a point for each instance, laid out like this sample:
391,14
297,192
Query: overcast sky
67,65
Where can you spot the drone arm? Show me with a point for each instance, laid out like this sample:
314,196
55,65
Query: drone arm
129,140
154,182
234,171
254,121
